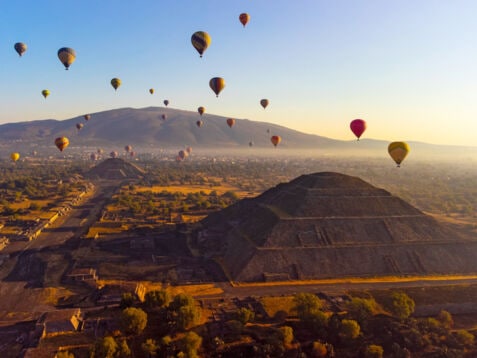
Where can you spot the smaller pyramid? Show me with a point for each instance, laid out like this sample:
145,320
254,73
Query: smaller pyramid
115,169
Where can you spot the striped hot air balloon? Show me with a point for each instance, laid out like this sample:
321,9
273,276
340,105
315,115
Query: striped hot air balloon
217,84
201,41
67,56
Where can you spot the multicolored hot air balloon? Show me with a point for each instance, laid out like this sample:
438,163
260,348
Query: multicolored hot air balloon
67,56
20,47
61,143
45,93
201,41
166,102
151,90
264,102
358,126
79,126
398,151
87,117
115,82
14,156
217,84
199,123
276,139
244,18
201,110
230,122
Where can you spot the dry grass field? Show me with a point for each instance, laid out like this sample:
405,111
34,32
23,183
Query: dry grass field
274,304
188,188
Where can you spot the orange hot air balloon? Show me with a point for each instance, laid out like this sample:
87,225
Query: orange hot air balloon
67,56
166,102
217,84
276,139
264,102
199,123
398,151
14,156
358,126
230,122
61,143
87,117
244,18
201,110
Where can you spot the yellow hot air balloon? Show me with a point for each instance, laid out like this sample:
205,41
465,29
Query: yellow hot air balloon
61,143
151,90
15,156
115,82
20,47
67,56
398,151
45,93
217,84
201,41
201,110
244,18
264,102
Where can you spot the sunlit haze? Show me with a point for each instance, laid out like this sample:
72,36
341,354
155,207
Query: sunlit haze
407,67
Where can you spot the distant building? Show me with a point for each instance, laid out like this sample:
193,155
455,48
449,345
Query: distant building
3,242
59,322
82,274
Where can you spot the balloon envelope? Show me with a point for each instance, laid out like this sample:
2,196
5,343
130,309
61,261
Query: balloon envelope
398,151
151,90
15,156
358,126
230,122
201,110
115,82
128,148
87,117
201,41
79,126
244,18
276,139
166,102
217,84
61,143
45,93
199,123
67,56
20,47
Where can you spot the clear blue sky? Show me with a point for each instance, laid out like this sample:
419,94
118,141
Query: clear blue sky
408,67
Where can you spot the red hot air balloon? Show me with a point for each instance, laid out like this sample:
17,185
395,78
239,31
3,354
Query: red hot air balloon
244,18
358,126
276,139
230,122
201,110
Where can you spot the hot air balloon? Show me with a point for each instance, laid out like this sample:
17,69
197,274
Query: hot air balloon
201,110
244,18
93,156
201,40
113,154
398,151
183,154
79,126
358,126
62,143
217,84
115,82
20,47
264,102
45,93
67,56
276,139
164,116
151,90
189,150
15,156
99,151
166,102
132,154
250,144
87,117
230,122
128,148
199,123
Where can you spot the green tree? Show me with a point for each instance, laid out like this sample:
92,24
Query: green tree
127,300
464,337
181,300
105,348
402,305
245,315
149,347
319,349
64,354
133,320
373,351
188,316
445,318
157,298
349,329
123,351
306,304
286,333
190,344
361,309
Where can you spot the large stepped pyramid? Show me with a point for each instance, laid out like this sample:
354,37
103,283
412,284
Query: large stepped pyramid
115,169
328,225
